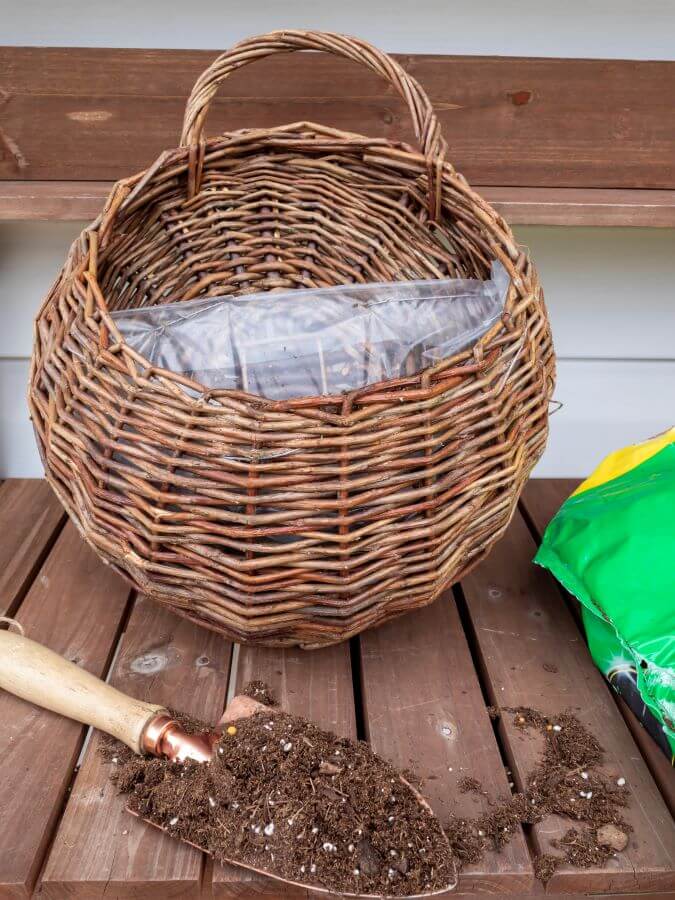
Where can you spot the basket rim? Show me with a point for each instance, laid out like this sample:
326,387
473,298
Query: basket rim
127,193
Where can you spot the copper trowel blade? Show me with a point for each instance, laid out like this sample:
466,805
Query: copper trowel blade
315,887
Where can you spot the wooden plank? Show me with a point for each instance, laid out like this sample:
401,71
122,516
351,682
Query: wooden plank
75,606
56,201
100,849
83,201
522,623
424,710
317,685
541,499
101,114
30,519
604,207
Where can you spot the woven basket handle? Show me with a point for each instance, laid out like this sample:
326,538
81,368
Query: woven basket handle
425,123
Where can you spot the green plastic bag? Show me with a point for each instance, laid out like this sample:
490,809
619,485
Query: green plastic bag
612,545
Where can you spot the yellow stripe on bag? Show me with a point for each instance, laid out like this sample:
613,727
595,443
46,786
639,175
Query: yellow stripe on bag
622,461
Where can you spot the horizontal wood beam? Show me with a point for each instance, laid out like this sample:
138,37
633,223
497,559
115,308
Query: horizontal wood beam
98,114
584,206
83,200
60,201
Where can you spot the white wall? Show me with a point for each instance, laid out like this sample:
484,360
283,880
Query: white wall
609,291
615,29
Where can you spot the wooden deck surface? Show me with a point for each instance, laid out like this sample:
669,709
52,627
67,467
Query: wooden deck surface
417,689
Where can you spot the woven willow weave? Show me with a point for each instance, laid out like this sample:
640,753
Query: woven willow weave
303,521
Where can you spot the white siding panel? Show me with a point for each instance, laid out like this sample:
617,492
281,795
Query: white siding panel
31,256
614,29
18,454
606,404
610,292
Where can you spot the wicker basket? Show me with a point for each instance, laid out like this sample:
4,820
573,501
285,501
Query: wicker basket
308,520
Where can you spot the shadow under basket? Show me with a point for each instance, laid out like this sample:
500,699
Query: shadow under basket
301,521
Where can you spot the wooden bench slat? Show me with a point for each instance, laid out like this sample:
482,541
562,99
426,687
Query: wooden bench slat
541,500
419,682
83,201
599,207
75,112
316,684
100,848
521,623
30,518
75,606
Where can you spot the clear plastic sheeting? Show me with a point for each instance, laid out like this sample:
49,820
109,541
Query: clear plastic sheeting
327,341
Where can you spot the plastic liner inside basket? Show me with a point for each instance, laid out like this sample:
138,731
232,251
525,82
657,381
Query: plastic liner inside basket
309,342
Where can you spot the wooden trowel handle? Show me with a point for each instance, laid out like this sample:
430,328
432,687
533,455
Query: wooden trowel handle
39,675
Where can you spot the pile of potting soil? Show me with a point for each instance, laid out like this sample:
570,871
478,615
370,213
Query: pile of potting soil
292,800
567,782
283,796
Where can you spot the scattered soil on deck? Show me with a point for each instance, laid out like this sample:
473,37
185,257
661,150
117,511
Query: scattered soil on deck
469,785
567,782
288,798
258,690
